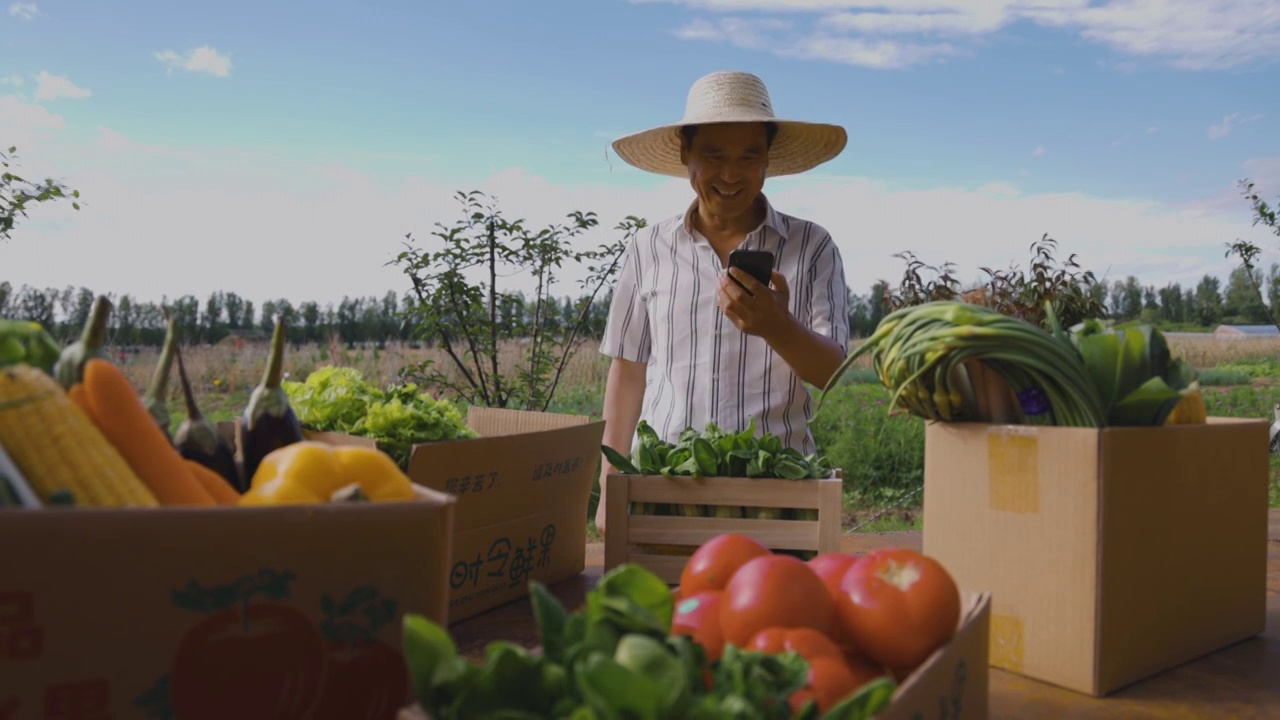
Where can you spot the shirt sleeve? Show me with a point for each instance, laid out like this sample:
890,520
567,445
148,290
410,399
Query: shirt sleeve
828,309
626,331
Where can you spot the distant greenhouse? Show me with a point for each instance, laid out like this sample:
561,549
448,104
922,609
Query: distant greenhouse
1246,331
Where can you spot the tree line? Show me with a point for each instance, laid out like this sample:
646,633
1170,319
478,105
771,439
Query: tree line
1203,307
363,320
135,321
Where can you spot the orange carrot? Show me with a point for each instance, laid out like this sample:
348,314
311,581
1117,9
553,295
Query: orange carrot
215,484
77,395
120,414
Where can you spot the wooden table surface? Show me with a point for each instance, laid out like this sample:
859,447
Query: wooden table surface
1239,682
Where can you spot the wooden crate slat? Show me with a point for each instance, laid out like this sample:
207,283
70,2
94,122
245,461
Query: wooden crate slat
666,567
641,539
745,492
672,530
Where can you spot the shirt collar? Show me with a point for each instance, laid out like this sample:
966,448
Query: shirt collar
772,218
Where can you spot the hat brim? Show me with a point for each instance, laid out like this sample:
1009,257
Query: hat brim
799,146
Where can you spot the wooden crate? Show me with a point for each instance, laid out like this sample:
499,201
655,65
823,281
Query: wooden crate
631,538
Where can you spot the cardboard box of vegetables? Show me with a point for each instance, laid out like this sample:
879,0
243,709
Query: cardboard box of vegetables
522,480
665,499
1074,474
147,577
748,634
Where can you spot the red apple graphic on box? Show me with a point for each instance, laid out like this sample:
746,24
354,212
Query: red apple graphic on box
253,657
366,679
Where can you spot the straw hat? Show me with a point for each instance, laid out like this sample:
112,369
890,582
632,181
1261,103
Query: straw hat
723,97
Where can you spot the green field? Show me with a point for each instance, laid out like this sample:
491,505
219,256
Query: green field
881,455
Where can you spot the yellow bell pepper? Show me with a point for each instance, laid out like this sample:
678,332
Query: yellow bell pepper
311,472
1190,410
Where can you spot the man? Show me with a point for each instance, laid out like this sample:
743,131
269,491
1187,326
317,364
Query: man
689,345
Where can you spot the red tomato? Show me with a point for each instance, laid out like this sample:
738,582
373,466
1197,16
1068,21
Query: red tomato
260,660
897,606
712,564
805,642
830,681
366,679
831,568
772,591
698,616
863,670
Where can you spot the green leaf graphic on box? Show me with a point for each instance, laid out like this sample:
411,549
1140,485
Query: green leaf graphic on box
358,617
266,583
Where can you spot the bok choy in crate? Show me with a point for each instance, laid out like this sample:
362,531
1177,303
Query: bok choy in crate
718,453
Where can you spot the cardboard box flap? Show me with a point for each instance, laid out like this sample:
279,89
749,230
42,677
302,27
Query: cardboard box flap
953,679
509,476
494,422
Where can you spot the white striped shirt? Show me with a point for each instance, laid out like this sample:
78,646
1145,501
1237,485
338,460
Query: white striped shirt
700,367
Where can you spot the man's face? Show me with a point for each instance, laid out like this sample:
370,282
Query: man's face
727,164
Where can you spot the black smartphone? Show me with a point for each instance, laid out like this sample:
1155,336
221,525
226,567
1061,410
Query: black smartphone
757,263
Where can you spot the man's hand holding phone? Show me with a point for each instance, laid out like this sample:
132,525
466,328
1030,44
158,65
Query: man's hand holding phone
747,299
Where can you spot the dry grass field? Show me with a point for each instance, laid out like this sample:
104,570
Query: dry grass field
225,369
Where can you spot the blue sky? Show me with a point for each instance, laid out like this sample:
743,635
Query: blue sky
1118,127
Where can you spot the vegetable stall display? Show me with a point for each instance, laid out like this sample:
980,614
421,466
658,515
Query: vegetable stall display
74,432
954,361
748,634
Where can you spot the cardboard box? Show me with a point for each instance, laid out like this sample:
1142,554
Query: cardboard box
224,612
1111,555
953,683
638,538
522,489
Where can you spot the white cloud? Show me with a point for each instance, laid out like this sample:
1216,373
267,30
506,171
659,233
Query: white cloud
23,11
14,80
147,206
1186,34
786,39
1229,123
1038,151
52,87
203,59
26,125
1264,172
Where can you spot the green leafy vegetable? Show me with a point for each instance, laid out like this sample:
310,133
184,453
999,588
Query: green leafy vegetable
339,399
1134,372
717,453
612,660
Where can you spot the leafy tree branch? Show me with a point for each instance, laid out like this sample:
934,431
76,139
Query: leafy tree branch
18,193
455,301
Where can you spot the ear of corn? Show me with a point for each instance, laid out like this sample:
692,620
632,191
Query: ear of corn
57,447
